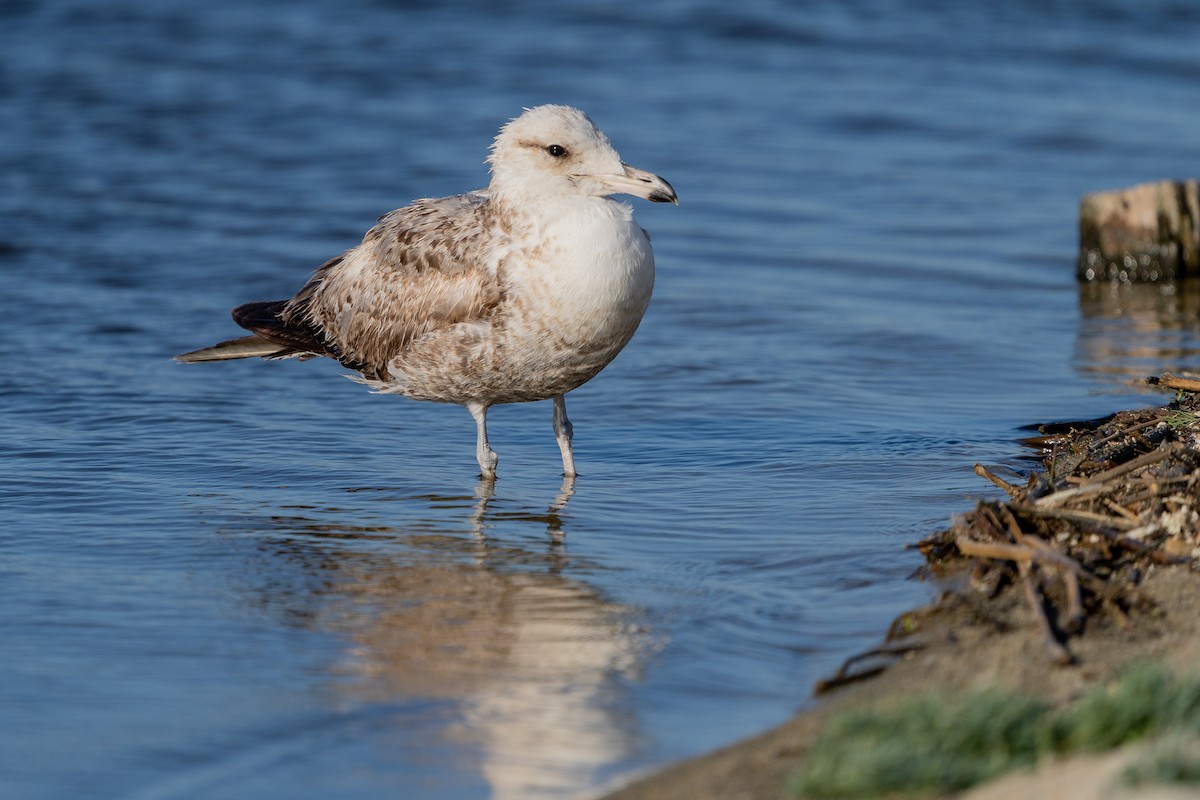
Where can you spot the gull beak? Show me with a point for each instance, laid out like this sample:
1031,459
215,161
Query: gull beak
639,183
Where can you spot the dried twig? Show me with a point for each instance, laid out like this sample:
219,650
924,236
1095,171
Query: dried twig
1068,568
1117,508
1155,554
1011,488
1074,619
1007,552
1058,654
1088,518
844,676
1063,495
1153,457
1043,550
1132,429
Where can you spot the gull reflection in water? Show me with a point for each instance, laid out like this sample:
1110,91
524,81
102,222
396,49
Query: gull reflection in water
534,659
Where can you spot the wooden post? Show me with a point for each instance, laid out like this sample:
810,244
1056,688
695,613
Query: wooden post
1148,232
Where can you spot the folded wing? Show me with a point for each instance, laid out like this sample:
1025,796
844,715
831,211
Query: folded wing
422,268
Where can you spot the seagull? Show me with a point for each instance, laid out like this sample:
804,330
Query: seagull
519,292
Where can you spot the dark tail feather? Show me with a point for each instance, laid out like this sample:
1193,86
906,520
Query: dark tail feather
245,347
253,316
273,337
267,321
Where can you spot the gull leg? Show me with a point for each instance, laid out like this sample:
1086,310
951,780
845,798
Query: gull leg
563,433
484,454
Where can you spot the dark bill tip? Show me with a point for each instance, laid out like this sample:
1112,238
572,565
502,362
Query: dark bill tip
664,195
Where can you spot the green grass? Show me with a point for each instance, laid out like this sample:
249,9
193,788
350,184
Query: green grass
1175,760
941,744
1146,701
1182,420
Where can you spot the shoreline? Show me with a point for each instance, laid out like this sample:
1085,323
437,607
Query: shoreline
1080,574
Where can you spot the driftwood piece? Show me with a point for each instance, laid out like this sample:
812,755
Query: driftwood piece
1169,381
1148,232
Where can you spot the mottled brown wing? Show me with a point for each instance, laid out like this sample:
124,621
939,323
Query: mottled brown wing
421,268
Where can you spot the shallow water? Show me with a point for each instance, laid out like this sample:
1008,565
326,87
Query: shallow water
256,580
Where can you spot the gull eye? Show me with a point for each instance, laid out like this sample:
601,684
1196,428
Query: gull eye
556,150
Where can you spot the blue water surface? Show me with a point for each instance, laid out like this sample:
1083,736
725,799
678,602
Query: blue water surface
256,580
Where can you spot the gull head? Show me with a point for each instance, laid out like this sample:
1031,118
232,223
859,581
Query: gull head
558,151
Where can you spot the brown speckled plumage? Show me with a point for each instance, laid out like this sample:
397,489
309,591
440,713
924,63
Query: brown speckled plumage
520,292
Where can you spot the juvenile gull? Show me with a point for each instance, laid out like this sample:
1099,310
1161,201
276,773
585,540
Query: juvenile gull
521,291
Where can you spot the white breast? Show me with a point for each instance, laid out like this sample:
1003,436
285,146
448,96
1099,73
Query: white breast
589,279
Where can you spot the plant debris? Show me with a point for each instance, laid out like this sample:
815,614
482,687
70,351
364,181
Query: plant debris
1116,497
